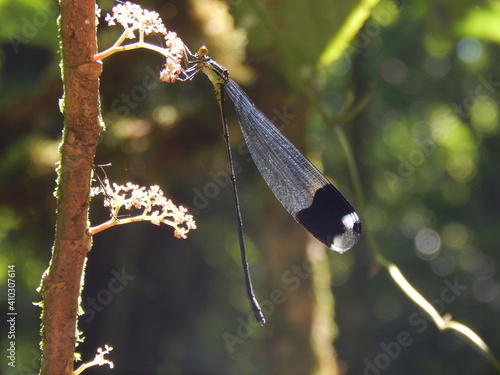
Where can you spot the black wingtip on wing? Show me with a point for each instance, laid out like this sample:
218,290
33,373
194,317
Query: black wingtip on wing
331,219
304,192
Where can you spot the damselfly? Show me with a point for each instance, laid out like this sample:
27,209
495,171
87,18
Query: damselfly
305,193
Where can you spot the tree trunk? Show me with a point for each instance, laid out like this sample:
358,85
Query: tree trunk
62,282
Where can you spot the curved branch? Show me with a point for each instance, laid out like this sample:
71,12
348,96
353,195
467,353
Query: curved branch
443,323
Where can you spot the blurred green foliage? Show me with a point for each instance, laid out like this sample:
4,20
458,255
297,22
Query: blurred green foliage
426,144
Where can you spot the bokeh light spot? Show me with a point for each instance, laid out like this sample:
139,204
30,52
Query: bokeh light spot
455,235
469,50
437,67
393,71
427,242
387,307
485,290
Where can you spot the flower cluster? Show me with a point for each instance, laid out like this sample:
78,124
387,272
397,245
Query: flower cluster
132,17
177,52
154,207
139,22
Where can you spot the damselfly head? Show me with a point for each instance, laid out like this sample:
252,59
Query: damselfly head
202,52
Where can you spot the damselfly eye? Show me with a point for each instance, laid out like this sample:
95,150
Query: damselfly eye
202,51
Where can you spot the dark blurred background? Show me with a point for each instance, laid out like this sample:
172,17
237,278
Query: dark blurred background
415,89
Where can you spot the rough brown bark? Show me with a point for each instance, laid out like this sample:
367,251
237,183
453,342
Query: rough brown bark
61,284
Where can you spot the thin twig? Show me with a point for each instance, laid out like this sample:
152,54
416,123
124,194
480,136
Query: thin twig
442,323
99,360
